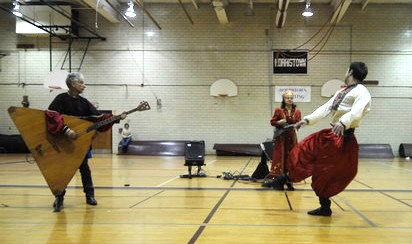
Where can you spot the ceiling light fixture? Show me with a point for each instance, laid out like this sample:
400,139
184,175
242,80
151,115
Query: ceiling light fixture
16,9
308,12
130,10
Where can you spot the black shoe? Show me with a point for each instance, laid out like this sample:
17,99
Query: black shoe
90,200
278,187
279,182
321,212
290,187
267,183
58,204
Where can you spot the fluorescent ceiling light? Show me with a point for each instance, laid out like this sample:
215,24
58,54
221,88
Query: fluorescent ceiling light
16,9
130,10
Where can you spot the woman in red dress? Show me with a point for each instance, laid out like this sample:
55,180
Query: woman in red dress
285,115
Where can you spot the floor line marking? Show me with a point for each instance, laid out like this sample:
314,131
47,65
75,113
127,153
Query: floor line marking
213,211
164,183
370,222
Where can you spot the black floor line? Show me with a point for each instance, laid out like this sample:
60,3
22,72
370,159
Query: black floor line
370,222
213,211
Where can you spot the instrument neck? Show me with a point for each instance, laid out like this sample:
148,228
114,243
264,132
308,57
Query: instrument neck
108,121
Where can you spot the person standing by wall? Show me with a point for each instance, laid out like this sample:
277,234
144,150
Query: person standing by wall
286,114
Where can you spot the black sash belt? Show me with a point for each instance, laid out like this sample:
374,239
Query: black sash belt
348,132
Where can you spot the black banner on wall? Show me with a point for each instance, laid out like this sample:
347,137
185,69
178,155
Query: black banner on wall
290,62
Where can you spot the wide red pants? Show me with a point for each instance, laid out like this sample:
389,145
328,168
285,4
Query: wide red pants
332,162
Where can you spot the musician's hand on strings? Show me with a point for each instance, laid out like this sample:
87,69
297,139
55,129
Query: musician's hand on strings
123,115
71,134
300,124
338,128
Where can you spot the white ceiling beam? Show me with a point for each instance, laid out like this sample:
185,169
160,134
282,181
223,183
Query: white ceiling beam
282,12
219,7
139,3
340,9
364,4
195,4
104,10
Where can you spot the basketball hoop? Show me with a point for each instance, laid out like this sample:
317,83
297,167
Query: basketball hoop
223,88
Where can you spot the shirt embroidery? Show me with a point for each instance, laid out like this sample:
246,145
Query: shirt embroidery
341,95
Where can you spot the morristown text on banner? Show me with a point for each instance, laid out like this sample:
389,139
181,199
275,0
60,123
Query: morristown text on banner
290,61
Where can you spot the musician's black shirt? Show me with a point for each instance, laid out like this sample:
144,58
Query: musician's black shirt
74,106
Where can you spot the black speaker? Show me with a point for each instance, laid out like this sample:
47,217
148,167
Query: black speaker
194,153
194,156
405,150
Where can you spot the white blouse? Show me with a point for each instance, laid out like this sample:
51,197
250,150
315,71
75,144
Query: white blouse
355,105
126,133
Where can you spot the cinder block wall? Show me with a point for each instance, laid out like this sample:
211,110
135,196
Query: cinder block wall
179,63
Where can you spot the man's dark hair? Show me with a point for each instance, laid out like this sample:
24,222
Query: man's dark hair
359,70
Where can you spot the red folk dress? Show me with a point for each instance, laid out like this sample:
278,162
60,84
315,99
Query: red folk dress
285,142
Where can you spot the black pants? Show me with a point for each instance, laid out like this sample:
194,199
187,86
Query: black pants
86,177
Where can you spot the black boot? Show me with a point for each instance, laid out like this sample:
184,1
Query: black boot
290,186
324,209
279,182
90,195
90,200
58,203
87,182
267,182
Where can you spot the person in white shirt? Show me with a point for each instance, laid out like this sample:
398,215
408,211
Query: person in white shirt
330,156
126,137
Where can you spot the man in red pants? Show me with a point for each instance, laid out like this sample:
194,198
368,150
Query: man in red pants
330,156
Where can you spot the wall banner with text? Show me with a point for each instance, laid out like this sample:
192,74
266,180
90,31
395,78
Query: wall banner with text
290,62
301,93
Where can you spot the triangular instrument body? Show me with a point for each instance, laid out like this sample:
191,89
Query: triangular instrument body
58,157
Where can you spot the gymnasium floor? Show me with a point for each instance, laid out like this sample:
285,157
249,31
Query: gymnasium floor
142,199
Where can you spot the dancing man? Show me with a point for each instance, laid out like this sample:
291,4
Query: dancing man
330,156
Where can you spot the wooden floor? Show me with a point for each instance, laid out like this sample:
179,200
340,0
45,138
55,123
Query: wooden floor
142,199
